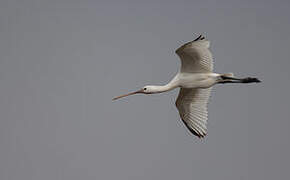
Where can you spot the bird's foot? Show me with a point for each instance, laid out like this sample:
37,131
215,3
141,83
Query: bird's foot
250,80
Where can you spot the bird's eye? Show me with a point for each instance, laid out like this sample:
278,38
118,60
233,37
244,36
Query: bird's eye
145,89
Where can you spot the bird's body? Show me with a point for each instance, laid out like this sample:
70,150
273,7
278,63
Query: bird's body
195,79
187,80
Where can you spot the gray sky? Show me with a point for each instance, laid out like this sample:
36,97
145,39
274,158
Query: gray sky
61,62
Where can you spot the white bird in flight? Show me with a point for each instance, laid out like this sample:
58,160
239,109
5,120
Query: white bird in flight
195,80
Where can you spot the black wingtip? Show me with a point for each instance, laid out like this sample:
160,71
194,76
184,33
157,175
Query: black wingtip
200,136
198,38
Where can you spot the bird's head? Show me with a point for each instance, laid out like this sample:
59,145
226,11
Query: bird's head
144,90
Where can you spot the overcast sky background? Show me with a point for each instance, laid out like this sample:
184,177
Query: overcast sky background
62,61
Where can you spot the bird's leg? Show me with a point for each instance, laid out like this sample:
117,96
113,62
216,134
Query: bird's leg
226,79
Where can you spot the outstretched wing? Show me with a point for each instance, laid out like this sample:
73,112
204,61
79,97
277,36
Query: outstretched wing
195,56
192,107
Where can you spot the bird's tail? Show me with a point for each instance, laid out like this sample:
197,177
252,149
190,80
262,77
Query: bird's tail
231,75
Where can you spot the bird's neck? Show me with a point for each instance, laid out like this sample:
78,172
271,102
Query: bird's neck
160,89
167,87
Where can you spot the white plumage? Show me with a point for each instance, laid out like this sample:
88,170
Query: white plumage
192,102
192,107
195,79
195,57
